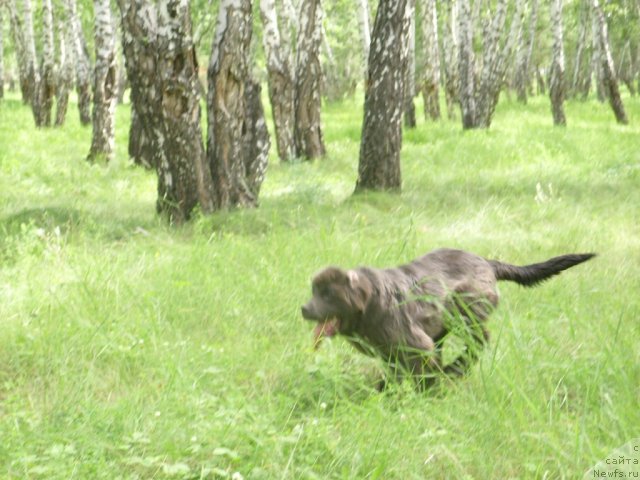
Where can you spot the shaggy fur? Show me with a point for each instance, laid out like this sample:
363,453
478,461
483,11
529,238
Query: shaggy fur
403,314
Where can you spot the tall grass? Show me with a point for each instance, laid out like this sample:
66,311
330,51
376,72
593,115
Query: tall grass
129,349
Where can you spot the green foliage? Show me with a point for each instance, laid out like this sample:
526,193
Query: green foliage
129,349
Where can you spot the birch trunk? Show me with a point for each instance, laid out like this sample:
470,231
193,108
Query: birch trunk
450,56
17,35
523,59
498,67
365,32
466,66
608,69
379,163
228,72
162,69
104,86
47,85
556,76
490,79
183,170
431,80
32,72
280,81
578,69
308,126
82,63
1,52
410,79
255,141
65,75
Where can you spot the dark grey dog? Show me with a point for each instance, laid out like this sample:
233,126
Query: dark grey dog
403,314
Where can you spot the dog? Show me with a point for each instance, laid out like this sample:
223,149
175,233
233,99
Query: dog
403,314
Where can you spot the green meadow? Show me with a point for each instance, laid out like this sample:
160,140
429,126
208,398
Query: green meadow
131,349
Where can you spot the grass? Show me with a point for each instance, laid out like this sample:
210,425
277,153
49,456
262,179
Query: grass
129,349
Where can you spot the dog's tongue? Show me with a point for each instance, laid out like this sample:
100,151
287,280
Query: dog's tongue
323,329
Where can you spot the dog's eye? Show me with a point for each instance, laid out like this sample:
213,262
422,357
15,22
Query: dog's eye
324,291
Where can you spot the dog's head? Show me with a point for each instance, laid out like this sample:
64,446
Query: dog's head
338,301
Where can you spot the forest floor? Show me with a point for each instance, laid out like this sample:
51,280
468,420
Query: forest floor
132,349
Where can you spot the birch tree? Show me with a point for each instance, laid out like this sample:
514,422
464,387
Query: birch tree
17,35
410,78
1,51
256,137
450,56
65,75
466,64
280,81
556,76
579,69
228,72
381,141
104,86
490,91
308,126
365,32
47,85
523,56
490,77
162,69
430,84
32,77
82,63
606,64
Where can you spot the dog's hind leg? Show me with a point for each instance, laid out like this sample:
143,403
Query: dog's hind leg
477,336
421,358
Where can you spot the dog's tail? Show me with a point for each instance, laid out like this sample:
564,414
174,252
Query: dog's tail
531,275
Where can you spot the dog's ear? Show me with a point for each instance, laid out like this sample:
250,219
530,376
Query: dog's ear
360,290
352,277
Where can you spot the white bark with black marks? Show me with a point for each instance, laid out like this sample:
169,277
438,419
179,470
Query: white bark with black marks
466,64
381,142
17,34
410,79
65,74
556,76
255,140
308,125
280,81
104,86
498,68
1,52
430,84
47,85
82,63
450,56
365,32
581,71
490,80
32,71
523,57
607,66
162,70
228,72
